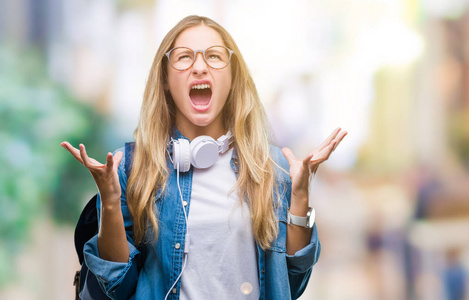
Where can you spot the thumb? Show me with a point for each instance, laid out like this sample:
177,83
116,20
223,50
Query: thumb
288,155
113,161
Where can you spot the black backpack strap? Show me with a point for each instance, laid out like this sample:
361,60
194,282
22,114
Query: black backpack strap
87,227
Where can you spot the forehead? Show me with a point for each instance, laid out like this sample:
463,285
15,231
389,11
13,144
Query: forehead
199,38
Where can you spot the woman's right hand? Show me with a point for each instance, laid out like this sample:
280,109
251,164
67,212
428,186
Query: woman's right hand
105,176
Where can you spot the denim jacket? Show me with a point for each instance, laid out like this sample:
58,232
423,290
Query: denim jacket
152,270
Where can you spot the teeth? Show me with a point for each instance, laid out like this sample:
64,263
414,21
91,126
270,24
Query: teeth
200,86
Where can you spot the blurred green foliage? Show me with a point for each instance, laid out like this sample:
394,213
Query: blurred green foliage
38,178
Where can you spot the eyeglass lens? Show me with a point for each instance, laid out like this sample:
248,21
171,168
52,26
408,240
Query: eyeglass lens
182,58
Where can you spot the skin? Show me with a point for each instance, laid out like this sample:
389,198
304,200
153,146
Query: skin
193,122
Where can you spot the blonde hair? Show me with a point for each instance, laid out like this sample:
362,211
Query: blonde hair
243,114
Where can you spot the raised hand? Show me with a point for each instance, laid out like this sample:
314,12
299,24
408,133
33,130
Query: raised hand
301,170
105,175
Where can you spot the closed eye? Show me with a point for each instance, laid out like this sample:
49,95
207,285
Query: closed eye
184,57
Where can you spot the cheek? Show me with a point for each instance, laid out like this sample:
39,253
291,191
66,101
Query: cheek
174,85
226,83
171,80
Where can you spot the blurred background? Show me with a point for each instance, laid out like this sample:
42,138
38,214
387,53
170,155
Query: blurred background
392,202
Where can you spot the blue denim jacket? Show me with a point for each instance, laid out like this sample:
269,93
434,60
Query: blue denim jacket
281,276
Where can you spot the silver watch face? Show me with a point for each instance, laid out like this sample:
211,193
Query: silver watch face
311,216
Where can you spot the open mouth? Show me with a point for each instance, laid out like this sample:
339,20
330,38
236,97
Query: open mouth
200,95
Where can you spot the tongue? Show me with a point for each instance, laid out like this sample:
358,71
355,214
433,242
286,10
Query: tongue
200,97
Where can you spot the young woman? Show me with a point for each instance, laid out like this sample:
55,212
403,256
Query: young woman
234,225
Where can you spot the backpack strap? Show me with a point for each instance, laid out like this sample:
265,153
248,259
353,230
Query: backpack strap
87,227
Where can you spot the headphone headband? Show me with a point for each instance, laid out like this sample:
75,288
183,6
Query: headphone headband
202,152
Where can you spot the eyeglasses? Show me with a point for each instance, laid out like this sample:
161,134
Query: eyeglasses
182,58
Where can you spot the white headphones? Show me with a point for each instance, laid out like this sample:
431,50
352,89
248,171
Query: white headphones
202,152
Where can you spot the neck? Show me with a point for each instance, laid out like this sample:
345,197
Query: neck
191,132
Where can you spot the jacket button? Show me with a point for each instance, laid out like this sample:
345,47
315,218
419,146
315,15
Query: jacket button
177,246
263,271
174,290
184,203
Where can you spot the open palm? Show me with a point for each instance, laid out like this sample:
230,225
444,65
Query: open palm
302,169
105,175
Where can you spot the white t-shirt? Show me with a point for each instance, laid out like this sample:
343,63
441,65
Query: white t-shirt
222,261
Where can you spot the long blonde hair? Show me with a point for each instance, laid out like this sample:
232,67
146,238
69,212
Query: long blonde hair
243,114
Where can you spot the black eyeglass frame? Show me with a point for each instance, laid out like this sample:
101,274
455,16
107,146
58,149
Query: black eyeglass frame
167,54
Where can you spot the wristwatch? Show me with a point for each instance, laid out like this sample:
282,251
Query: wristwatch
306,222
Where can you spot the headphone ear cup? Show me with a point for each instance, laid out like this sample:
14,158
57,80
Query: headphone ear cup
204,152
181,155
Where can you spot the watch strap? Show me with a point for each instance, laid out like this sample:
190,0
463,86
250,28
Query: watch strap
306,222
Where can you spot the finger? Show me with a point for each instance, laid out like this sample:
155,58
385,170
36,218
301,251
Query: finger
109,161
331,148
324,154
113,161
72,150
340,138
84,156
329,139
288,155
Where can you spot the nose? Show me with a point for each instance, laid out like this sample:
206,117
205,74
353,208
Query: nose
199,66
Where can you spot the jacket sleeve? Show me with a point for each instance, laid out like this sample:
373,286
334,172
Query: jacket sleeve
301,264
304,259
117,280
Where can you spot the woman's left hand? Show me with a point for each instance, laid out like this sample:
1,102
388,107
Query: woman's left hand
301,170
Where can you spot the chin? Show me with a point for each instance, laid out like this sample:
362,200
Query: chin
202,123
